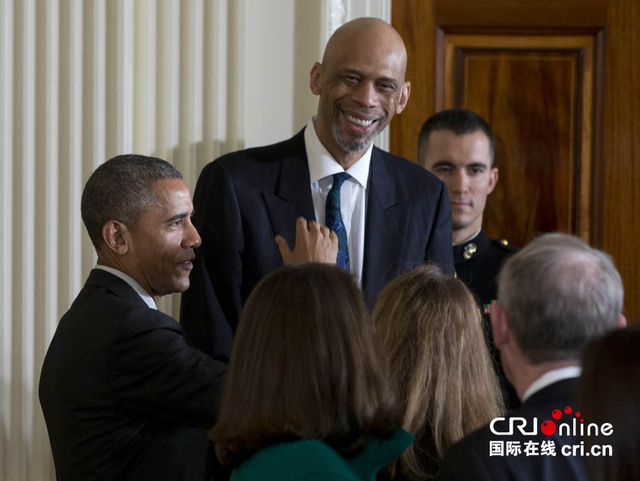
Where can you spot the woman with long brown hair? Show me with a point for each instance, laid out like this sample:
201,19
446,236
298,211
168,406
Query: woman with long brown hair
428,330
305,394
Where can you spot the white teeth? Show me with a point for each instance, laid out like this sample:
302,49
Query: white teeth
363,123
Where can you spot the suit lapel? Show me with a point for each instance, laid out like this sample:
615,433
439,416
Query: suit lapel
385,222
291,197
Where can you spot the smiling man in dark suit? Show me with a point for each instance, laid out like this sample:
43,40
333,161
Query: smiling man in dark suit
554,296
124,393
390,214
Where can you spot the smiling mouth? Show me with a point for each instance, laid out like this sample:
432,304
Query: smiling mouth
357,121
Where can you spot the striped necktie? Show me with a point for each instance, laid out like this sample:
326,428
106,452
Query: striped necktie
333,219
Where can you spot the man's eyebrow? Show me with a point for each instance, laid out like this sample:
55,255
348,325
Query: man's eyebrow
448,163
443,163
176,217
359,73
476,164
392,80
350,71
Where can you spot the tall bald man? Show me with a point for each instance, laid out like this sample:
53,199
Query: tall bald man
389,214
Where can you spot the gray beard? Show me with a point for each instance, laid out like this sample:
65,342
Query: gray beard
352,145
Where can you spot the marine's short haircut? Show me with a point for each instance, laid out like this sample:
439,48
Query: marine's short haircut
121,189
458,121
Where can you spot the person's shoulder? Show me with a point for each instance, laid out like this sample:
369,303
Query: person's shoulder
503,245
136,319
405,173
109,298
239,160
489,250
297,460
117,304
400,162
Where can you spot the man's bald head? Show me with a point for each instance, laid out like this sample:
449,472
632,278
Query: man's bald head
361,84
372,33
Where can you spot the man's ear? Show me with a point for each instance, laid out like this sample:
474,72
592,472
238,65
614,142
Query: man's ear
116,237
499,326
315,78
493,179
622,321
405,91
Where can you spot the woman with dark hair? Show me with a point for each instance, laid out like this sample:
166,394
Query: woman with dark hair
305,395
609,392
428,331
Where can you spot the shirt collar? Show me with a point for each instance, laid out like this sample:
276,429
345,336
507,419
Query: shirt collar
322,164
135,285
549,378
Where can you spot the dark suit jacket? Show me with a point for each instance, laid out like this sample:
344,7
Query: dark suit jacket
469,459
124,394
242,200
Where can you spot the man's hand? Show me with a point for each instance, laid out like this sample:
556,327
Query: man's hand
314,243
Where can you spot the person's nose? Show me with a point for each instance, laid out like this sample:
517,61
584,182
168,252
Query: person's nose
192,237
366,94
459,181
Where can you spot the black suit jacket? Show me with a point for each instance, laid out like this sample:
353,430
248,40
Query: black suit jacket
124,394
469,459
242,200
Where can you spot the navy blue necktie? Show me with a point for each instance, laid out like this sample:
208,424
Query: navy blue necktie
333,219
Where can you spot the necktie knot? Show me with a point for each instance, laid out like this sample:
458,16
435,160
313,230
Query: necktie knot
338,180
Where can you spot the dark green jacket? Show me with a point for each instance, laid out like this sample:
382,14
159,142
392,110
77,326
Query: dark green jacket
314,460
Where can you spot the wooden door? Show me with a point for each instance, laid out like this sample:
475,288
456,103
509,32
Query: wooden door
559,83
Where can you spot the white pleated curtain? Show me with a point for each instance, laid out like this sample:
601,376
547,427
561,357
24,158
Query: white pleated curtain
84,80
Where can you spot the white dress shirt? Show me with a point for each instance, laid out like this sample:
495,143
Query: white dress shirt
353,193
133,283
549,378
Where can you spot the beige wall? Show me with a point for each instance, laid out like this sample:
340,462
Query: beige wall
84,80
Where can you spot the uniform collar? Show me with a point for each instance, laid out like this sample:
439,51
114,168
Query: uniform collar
471,247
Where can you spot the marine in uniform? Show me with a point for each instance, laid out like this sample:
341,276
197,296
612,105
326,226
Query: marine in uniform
477,262
457,145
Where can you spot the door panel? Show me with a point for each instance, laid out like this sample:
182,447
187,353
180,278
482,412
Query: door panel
545,186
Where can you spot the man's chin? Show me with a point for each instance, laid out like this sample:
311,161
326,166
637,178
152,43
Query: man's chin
354,144
180,286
